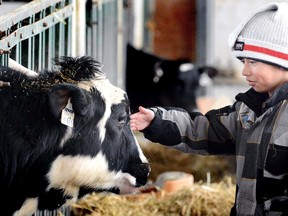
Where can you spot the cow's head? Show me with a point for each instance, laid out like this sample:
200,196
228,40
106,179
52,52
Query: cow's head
98,150
164,82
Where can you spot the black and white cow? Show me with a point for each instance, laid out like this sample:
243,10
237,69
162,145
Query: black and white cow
62,131
155,81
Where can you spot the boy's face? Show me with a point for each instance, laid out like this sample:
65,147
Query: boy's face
263,77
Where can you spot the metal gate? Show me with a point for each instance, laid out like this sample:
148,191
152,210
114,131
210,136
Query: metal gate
35,33
64,211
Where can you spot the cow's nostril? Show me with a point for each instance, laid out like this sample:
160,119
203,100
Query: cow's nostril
142,174
144,170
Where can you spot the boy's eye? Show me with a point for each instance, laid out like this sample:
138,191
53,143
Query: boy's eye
250,61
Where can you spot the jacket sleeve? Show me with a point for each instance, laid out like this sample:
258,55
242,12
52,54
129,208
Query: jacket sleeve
213,133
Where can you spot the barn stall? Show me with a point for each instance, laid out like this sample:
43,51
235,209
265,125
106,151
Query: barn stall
35,32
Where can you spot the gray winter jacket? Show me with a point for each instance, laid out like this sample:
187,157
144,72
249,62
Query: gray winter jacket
254,129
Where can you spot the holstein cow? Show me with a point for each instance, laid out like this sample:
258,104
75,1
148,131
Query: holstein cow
61,131
155,81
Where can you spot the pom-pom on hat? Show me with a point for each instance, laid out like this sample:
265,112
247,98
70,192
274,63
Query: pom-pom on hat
263,35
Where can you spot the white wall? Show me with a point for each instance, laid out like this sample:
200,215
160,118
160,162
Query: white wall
228,14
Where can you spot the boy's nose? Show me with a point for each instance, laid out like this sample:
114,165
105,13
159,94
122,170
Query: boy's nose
245,70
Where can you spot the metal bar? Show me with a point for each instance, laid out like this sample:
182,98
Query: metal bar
31,45
51,43
100,32
23,12
64,210
69,37
94,31
68,33
18,47
4,54
62,32
41,44
120,45
26,31
44,58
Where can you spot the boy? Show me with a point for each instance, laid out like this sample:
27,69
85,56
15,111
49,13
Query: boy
254,128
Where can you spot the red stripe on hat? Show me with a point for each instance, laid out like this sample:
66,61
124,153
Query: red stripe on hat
266,51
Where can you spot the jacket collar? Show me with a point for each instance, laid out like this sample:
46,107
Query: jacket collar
259,102
280,94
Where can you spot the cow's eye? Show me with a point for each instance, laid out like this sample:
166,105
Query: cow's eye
122,120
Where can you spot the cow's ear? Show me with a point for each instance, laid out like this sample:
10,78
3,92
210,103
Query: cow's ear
59,97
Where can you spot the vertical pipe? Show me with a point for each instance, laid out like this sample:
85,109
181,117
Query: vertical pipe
31,46
51,39
94,43
205,31
79,30
43,45
19,47
138,23
89,27
93,36
62,34
210,17
100,41
120,30
40,46
68,33
69,37
4,58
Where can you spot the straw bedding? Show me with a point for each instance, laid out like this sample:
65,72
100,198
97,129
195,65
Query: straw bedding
213,198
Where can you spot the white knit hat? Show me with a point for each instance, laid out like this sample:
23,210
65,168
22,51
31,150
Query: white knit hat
263,35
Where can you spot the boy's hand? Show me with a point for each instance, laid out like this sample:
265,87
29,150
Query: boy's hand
141,119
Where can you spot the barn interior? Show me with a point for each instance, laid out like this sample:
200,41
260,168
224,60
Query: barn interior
165,34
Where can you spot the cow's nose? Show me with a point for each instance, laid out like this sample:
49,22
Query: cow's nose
142,174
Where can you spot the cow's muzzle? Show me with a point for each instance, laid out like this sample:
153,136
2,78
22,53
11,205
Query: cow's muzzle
142,174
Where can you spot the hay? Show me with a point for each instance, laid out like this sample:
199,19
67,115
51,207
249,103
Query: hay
163,159
215,200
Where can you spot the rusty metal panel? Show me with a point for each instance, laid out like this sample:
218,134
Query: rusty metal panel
174,29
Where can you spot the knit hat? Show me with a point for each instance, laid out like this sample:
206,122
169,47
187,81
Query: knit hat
263,35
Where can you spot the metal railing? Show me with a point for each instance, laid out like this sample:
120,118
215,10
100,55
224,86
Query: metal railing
35,33
64,211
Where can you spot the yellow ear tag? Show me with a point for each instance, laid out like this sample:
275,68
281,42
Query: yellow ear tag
67,115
